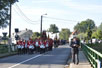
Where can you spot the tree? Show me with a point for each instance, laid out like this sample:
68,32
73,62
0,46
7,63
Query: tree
99,34
82,36
89,33
84,25
4,12
53,28
100,27
94,34
64,34
35,35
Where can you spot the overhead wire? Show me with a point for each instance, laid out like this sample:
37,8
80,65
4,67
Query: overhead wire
60,19
22,13
24,17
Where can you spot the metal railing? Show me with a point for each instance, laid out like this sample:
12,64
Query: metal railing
6,48
94,57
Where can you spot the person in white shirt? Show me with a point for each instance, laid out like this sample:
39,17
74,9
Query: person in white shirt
31,49
19,48
37,46
42,48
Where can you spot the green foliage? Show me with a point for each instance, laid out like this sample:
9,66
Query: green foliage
83,26
82,36
89,33
99,34
94,35
35,35
96,46
53,28
100,27
64,34
4,12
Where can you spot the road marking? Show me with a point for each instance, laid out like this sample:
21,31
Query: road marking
24,61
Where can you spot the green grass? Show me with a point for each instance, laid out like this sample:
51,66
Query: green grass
97,46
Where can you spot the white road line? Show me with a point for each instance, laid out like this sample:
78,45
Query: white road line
24,61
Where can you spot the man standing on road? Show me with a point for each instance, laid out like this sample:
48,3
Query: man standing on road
75,43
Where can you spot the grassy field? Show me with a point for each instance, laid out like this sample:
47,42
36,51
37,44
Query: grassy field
97,46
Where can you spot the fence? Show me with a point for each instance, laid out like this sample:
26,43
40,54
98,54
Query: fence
94,57
6,48
3,49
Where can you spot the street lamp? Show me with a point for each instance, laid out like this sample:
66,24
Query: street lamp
41,23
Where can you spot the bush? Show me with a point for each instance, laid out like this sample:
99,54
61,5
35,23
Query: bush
96,46
3,49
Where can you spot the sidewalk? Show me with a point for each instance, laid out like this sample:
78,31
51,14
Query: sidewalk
83,62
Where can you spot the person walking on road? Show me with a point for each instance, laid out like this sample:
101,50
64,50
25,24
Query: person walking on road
75,43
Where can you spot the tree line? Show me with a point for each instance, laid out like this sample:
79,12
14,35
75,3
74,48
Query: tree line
88,30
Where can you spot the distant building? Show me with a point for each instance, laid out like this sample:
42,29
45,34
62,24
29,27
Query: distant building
51,35
23,35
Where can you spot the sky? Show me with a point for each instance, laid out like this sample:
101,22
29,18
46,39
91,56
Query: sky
63,13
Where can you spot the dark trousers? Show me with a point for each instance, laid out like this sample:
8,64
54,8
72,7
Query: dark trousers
19,50
42,50
75,56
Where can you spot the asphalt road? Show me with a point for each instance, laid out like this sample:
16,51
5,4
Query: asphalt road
52,59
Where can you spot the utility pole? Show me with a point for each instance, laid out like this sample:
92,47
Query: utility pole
10,41
10,20
41,24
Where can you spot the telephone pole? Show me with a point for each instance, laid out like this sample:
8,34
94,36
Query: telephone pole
10,41
41,23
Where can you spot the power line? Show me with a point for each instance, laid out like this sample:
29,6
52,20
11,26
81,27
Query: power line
21,12
24,18
61,19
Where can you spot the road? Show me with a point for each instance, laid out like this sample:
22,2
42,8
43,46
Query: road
52,59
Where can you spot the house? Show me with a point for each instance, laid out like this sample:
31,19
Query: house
23,35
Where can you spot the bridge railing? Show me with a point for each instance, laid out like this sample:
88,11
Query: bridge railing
94,57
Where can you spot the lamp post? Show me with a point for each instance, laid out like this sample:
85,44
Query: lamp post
41,23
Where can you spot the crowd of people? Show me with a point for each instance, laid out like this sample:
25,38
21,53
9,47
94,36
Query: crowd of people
33,46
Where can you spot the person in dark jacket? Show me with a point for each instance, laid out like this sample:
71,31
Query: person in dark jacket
75,43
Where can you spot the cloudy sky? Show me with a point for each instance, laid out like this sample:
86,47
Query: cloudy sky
63,13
